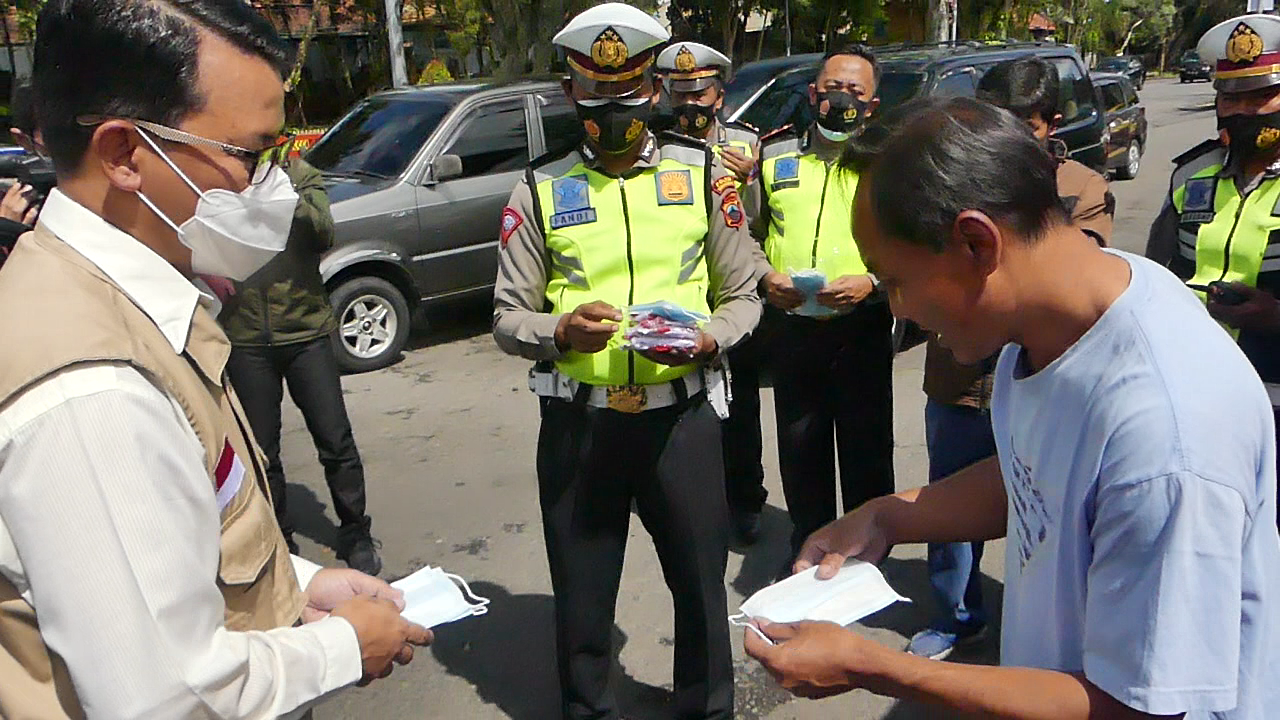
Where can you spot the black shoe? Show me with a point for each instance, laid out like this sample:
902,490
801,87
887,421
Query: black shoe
746,527
363,556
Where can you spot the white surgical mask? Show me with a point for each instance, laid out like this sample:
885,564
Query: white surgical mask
233,234
434,597
833,135
857,591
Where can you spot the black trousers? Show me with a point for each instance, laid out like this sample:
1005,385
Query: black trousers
312,373
833,387
742,442
591,464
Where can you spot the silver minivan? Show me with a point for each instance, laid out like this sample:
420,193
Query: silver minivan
417,179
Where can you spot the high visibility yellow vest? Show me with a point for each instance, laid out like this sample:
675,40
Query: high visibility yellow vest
1228,236
625,241
810,215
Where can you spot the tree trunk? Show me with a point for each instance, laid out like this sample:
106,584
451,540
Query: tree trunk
295,75
13,58
1129,36
395,45
937,22
760,39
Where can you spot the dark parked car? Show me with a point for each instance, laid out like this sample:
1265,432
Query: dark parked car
945,69
1192,68
1126,135
417,180
1126,65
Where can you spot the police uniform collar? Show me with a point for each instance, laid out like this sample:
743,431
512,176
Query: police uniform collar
649,156
1230,169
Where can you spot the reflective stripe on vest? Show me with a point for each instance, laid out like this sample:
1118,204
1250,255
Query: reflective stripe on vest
810,207
1227,235
625,242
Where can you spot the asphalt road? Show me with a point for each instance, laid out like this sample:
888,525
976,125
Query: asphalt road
448,437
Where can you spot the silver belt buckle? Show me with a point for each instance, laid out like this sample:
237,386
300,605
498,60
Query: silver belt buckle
626,398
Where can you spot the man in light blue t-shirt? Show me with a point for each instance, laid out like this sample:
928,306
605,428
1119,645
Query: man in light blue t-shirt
1135,478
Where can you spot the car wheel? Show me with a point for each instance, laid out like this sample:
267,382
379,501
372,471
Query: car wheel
1132,161
373,323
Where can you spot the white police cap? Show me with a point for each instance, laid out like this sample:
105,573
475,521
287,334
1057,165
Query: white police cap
1245,51
691,66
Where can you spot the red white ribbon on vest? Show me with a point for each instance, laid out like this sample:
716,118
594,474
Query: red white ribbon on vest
228,476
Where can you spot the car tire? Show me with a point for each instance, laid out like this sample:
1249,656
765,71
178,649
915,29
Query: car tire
1132,162
373,323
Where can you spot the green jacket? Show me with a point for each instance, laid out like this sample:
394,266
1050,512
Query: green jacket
286,301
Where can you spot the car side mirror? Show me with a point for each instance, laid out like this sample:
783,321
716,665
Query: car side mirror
446,167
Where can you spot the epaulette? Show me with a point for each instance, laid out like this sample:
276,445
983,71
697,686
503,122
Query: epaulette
1203,148
668,136
786,132
550,157
741,125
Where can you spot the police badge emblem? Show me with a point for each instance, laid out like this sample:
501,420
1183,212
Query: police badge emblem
1244,45
685,61
675,187
609,50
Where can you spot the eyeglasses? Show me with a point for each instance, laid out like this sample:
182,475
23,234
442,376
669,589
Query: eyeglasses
258,164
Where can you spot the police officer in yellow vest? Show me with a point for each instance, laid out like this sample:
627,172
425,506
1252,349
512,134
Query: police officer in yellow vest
1220,226
621,221
694,77
833,352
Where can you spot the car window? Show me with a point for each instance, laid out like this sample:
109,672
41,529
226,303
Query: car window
494,138
1112,96
957,84
560,126
897,87
1076,102
785,101
380,136
1130,95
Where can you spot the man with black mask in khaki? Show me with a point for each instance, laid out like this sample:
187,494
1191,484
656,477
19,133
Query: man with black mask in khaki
831,353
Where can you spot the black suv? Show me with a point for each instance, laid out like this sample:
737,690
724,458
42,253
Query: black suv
942,69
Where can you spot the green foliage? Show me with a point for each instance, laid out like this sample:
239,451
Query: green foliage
434,73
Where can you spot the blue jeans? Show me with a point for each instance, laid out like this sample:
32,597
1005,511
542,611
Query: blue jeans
957,437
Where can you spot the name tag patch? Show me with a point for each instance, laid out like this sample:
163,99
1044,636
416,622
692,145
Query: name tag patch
573,217
675,187
1199,195
1195,218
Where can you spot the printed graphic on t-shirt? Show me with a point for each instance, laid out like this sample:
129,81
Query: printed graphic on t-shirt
1031,519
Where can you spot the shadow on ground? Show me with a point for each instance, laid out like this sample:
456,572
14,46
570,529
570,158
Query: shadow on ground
310,520
509,657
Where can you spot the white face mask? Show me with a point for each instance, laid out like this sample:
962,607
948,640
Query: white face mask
833,135
857,591
433,597
233,234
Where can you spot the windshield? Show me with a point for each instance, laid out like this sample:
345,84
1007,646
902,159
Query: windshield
898,87
380,136
1113,64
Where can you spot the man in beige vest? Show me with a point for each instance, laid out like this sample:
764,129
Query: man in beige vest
142,573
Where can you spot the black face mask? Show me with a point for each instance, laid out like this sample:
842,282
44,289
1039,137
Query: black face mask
663,117
845,112
615,128
695,118
1251,135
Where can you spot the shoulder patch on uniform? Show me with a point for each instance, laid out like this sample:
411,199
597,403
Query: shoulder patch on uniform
722,183
787,168
569,194
731,209
1205,147
570,202
675,187
511,221
1199,195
